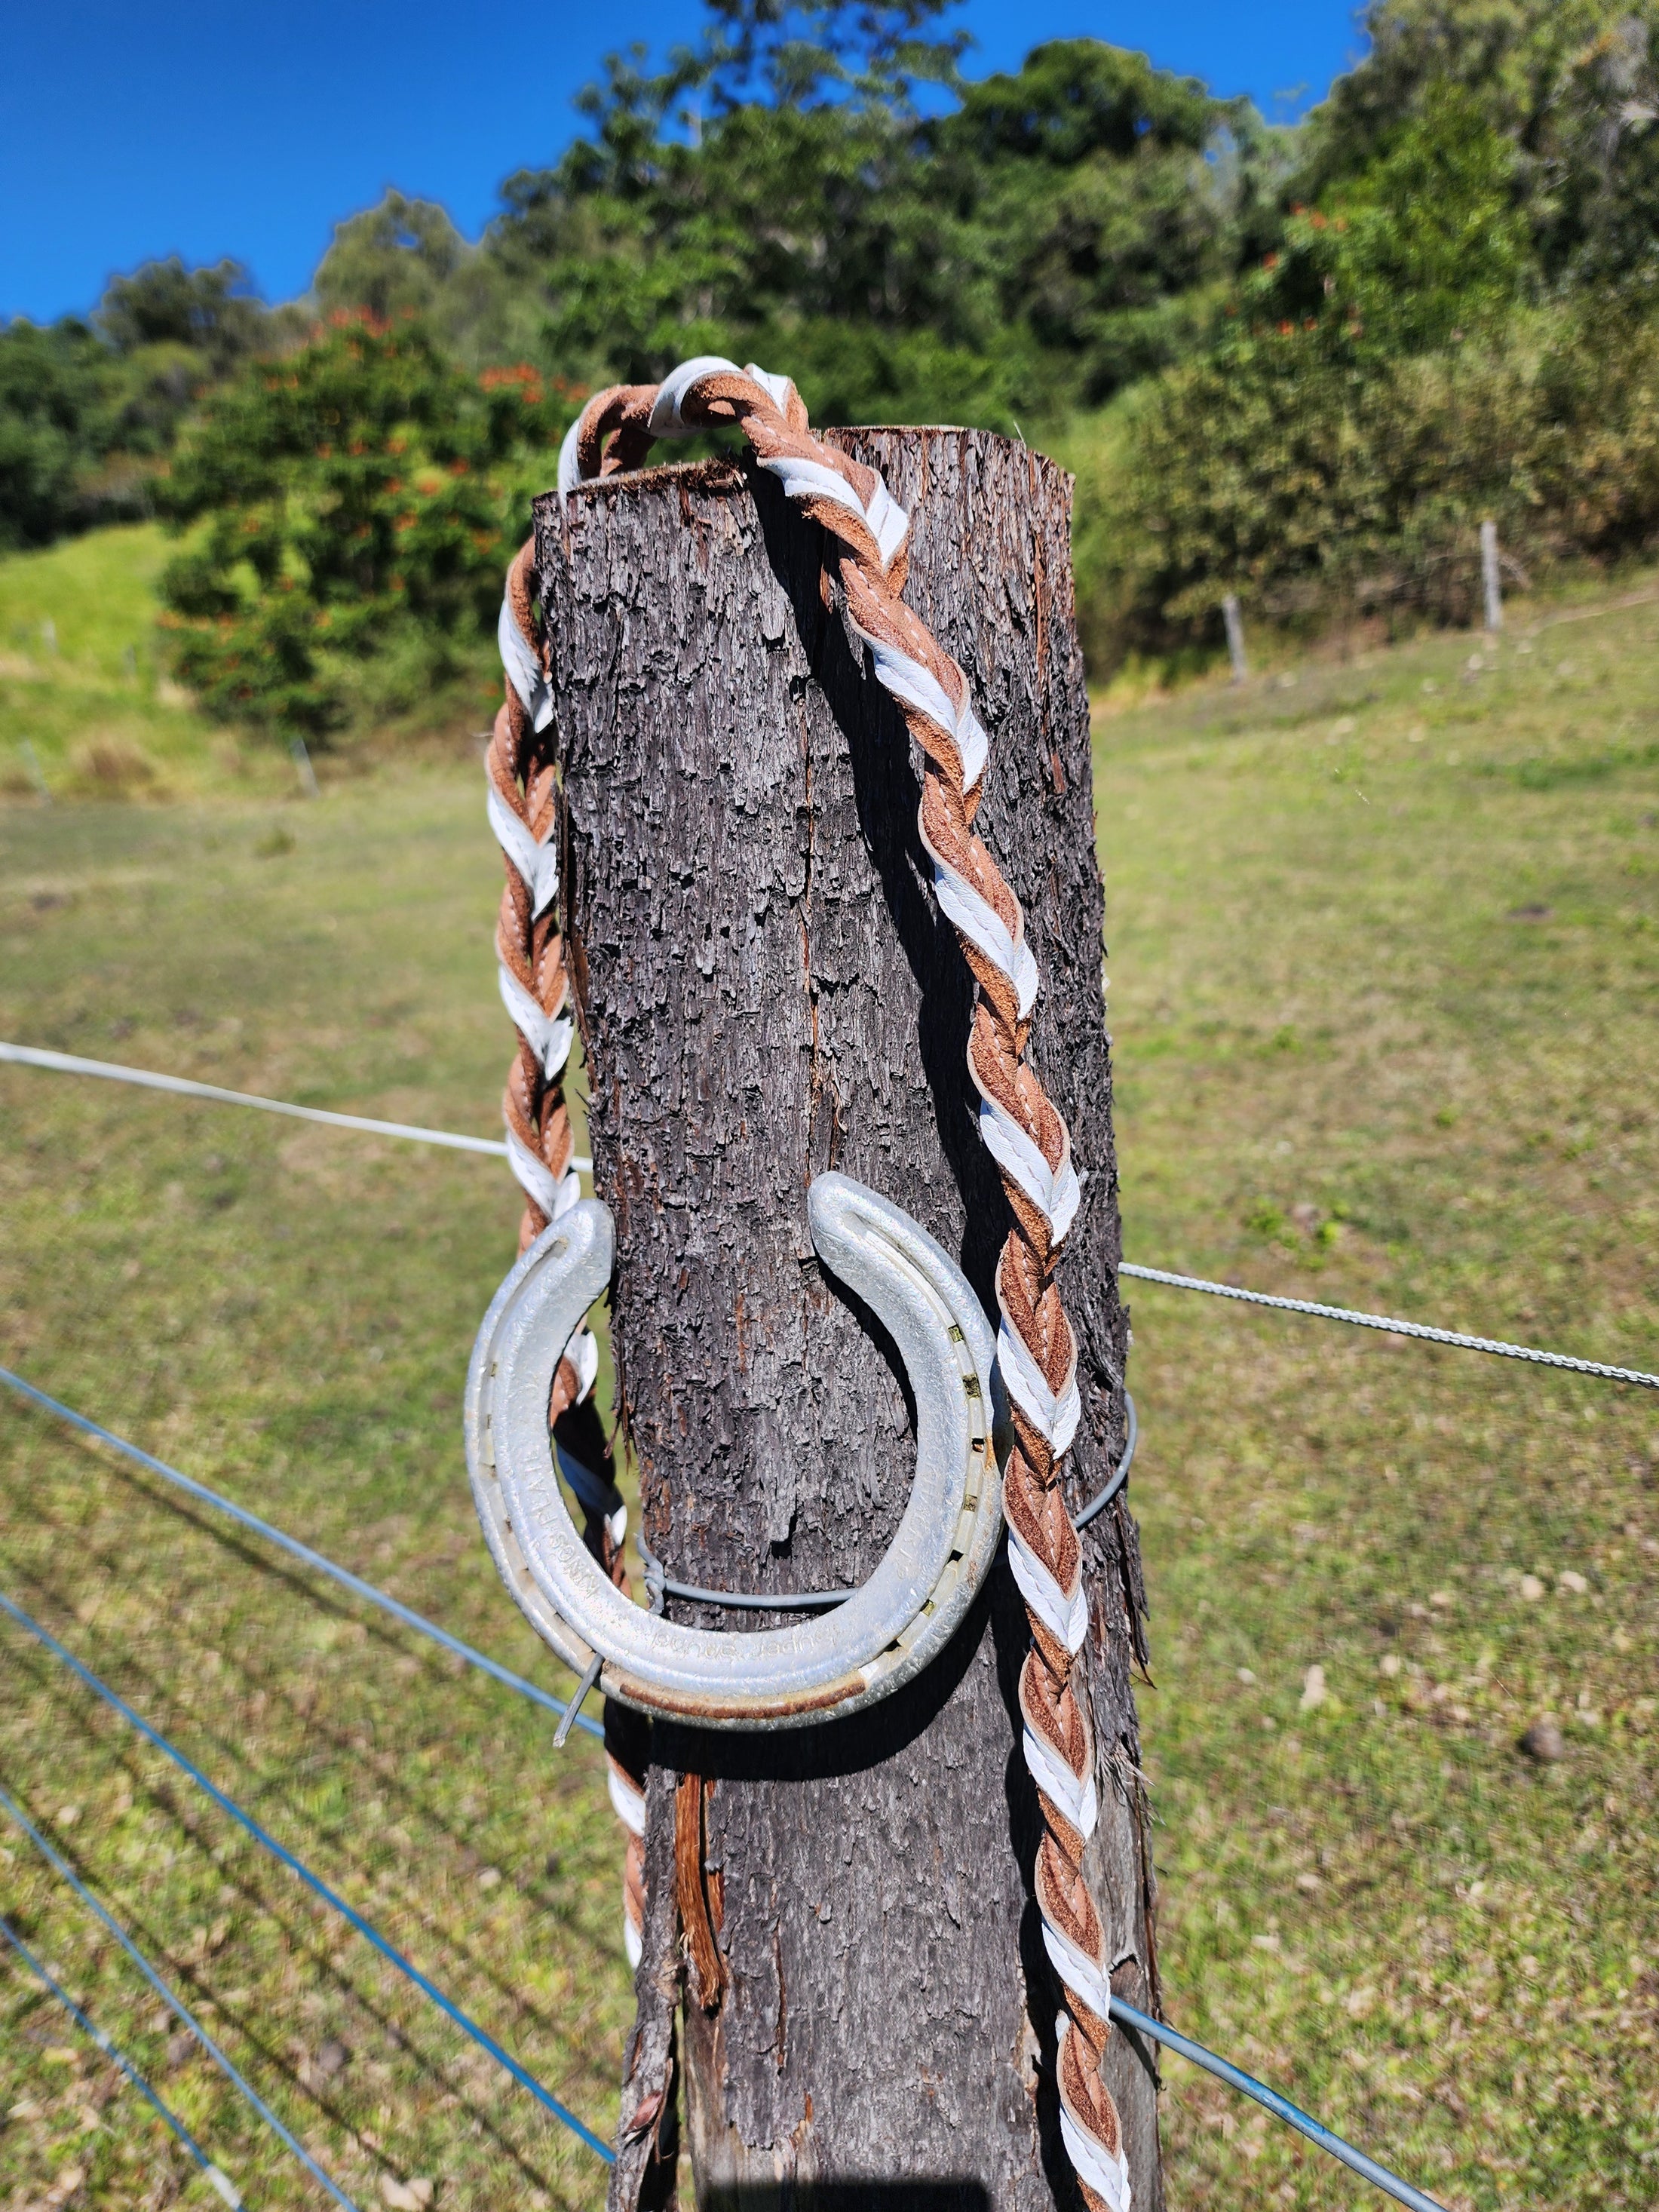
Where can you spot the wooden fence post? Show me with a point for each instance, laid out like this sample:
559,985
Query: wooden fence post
1491,584
767,989
1235,621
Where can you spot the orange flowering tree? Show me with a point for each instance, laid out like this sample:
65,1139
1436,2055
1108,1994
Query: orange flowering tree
347,511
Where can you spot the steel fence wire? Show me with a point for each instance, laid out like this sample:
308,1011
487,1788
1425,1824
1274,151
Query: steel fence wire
170,1997
211,2174
313,1882
317,1560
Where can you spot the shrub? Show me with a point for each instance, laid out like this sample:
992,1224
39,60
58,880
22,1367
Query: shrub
354,504
1308,484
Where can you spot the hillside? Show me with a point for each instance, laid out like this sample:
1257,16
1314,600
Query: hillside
86,706
88,710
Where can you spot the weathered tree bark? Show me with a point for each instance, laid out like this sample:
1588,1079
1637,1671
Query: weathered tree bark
766,990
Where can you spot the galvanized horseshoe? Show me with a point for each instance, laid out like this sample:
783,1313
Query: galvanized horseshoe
883,1633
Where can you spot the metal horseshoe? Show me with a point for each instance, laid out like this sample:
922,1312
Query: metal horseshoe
883,1633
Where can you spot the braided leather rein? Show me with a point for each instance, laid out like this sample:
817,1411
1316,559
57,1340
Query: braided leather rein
1020,1125
520,800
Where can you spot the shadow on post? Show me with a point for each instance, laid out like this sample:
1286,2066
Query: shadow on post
909,2196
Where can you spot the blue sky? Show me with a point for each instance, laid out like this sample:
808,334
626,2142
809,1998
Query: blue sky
211,127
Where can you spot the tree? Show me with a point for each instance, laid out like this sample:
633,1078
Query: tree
213,311
354,503
405,257
825,188
392,260
87,409
1100,203
1571,85
1427,244
55,411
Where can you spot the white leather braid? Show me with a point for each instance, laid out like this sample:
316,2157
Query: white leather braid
1054,1414
530,968
1064,1613
1105,2171
520,803
627,1803
1022,1130
1054,1192
1075,1797
538,864
523,666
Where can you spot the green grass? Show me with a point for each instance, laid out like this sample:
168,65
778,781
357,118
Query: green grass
85,704
289,1319
88,712
1384,947
1385,944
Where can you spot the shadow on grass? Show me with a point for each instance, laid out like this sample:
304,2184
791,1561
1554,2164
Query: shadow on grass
303,1937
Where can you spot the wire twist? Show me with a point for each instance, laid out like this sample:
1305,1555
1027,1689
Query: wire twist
1020,1125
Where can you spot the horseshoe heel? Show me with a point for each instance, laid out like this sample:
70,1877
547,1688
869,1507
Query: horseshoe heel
835,1662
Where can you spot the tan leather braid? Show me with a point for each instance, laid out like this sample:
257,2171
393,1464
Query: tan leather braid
522,809
531,947
1023,1128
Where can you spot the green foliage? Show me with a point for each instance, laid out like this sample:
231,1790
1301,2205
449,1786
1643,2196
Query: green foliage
1426,243
1302,482
86,410
356,502
1294,363
53,410
405,257
1049,239
1099,201
1388,378
212,312
1572,85
393,260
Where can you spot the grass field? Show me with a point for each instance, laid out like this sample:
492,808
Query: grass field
87,711
85,706
1384,943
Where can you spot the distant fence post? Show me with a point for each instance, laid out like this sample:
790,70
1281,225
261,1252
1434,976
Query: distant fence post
37,774
307,774
1234,622
1489,578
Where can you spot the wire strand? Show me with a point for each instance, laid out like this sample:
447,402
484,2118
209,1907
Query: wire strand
314,1883
218,2178
111,1071
1131,2016
660,1583
1120,1474
69,1064
303,1552
1416,1328
170,1997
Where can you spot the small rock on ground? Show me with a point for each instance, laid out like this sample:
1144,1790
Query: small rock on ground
1544,1741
